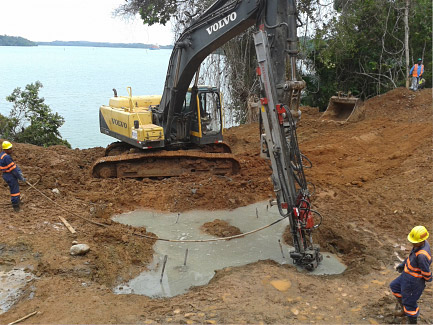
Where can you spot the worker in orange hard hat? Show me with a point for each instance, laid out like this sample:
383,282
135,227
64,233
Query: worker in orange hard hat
11,174
415,272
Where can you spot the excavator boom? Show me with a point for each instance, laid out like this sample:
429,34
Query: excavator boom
191,117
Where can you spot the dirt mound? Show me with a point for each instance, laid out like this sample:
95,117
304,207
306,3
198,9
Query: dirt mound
373,183
220,228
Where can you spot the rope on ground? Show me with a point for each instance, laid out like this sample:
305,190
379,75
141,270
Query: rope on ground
68,211
209,240
35,183
23,318
162,239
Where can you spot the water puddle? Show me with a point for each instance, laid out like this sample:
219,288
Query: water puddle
12,284
202,259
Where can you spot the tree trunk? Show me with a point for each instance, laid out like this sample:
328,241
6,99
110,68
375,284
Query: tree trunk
406,40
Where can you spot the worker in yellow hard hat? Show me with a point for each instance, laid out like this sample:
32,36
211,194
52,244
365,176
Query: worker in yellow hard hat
415,272
11,174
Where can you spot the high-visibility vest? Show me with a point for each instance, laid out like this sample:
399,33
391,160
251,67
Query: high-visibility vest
415,70
6,163
418,263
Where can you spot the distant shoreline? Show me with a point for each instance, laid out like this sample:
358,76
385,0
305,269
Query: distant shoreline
20,41
106,44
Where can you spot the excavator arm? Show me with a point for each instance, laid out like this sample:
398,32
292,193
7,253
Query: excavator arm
280,145
276,48
220,23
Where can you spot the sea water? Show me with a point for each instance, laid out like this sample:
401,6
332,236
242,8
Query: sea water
78,80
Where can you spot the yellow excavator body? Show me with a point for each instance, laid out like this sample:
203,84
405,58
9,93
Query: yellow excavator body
124,113
143,151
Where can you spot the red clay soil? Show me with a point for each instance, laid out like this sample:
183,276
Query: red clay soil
373,183
220,228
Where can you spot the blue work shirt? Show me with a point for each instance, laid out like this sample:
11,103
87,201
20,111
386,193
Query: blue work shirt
8,167
418,263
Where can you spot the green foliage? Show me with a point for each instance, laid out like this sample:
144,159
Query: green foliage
157,12
361,50
15,41
31,120
241,68
150,11
357,46
420,41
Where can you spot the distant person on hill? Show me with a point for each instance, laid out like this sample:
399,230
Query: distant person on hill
416,72
11,174
415,272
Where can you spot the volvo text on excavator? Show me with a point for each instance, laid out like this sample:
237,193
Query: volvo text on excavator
182,130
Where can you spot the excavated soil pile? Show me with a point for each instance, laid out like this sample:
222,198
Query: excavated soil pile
373,183
220,228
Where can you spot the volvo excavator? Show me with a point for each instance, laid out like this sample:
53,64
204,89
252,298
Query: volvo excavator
182,130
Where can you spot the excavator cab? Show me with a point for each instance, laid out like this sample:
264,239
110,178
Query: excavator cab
206,114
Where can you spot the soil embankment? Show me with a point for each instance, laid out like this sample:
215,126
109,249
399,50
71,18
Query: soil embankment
373,183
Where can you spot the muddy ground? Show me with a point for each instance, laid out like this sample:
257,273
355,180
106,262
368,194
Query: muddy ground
373,181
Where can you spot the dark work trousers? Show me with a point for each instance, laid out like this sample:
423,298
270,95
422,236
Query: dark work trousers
409,289
14,187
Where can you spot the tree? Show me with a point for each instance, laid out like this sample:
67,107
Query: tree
15,41
31,120
362,49
406,39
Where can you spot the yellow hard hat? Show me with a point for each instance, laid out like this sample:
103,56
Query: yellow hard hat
417,234
6,145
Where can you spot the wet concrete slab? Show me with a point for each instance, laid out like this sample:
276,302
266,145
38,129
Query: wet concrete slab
12,284
204,258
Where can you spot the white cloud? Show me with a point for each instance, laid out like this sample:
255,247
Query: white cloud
76,20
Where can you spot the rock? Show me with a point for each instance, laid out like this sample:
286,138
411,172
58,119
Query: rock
294,311
55,191
380,283
281,285
74,242
193,190
79,249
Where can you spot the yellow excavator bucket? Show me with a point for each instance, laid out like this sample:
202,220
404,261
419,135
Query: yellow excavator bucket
343,108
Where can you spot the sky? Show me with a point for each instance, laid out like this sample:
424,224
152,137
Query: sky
76,20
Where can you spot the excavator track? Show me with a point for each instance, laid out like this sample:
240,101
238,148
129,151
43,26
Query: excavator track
165,164
119,148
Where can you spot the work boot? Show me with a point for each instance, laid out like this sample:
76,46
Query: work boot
412,320
16,207
399,313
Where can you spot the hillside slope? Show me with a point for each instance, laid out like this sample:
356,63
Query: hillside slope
373,182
